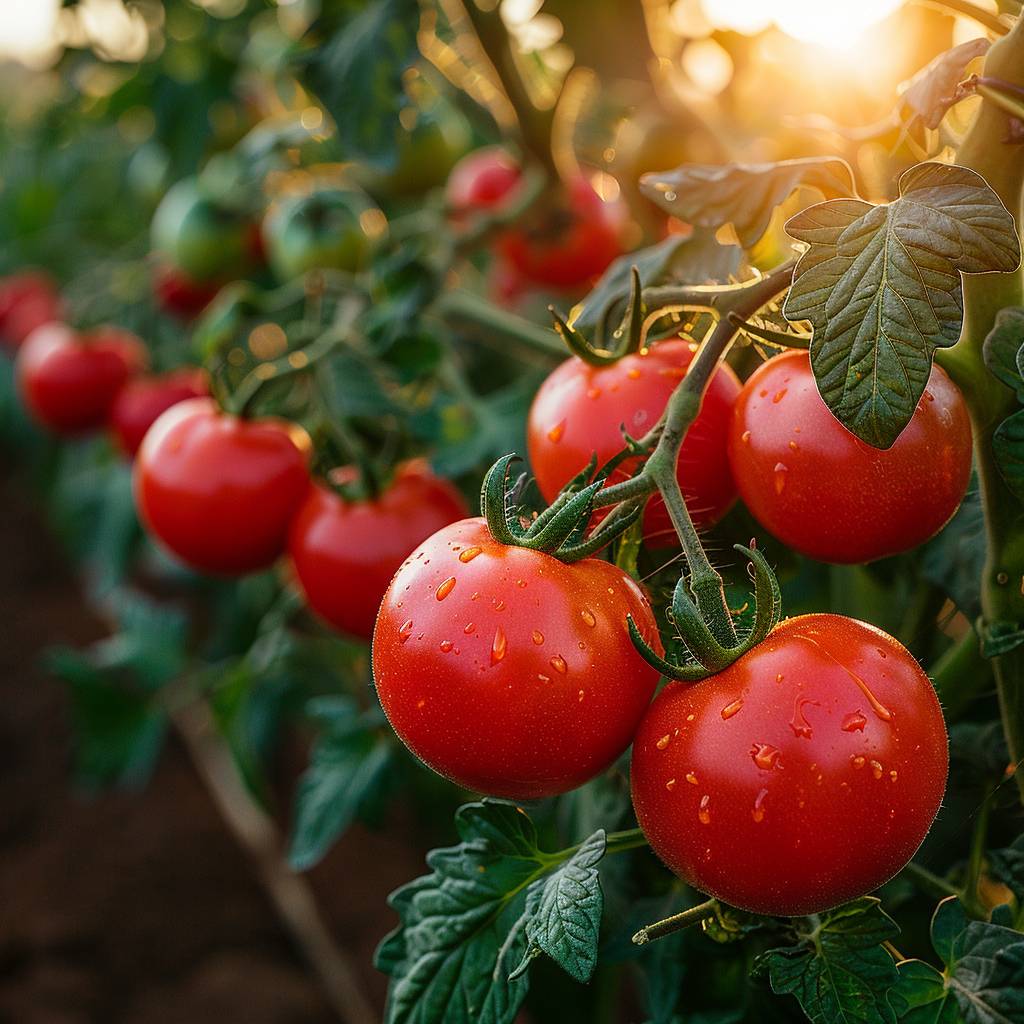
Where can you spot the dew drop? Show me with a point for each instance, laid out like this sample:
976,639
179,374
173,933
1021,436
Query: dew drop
558,664
498,646
537,637
445,588
588,617
745,437
798,723
520,583
446,645
781,469
854,722
670,785
594,393
704,813
543,678
470,627
469,554
556,432
420,704
857,761
779,396
893,775
405,630
691,778
763,392
732,709
928,396
580,697
778,678
690,717
633,374
765,756
757,812
794,446
475,596
663,742
498,604
876,769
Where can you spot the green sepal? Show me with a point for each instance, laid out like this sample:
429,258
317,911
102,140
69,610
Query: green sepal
682,673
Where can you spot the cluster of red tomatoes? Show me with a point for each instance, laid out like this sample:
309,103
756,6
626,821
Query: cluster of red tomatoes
804,774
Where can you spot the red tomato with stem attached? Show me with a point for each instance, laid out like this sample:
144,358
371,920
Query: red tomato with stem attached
27,300
69,381
345,552
831,496
220,491
481,180
141,401
568,245
804,775
580,410
507,671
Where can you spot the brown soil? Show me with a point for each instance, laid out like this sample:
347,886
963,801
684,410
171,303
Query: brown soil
139,908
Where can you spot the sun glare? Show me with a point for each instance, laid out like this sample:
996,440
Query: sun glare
836,26
27,28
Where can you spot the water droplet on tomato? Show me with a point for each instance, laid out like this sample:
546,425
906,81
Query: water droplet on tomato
594,393
520,583
588,617
470,627
765,756
446,645
469,554
732,709
763,393
580,698
405,630
778,677
779,396
745,437
928,396
498,604
556,432
893,775
691,778
857,761
537,637
794,446
704,812
498,646
798,723
633,374
876,769
781,469
855,721
558,664
543,678
757,812
670,785
663,742
445,588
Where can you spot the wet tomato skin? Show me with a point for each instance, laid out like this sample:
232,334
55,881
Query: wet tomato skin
507,671
69,381
344,553
580,409
141,401
219,491
804,775
831,496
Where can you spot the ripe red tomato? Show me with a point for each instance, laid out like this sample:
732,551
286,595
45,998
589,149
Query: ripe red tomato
580,409
27,301
345,553
507,671
481,180
141,401
804,775
826,493
180,295
566,247
219,491
69,381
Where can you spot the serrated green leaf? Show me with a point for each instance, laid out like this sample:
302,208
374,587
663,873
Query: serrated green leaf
839,972
932,91
1003,349
357,75
744,195
1007,865
881,286
563,911
920,996
346,768
1008,449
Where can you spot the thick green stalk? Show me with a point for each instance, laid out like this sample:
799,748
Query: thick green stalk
986,150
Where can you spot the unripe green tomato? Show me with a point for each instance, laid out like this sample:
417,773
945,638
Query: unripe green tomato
330,228
200,236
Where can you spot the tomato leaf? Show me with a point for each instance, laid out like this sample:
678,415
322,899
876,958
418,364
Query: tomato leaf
955,558
744,195
366,58
839,972
1007,865
983,981
932,91
563,912
1008,449
489,904
346,769
881,286
1003,349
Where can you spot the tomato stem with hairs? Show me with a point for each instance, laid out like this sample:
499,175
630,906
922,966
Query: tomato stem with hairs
677,922
986,149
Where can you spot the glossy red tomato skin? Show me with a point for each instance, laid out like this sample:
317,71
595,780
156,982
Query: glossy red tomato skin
141,401
180,295
826,493
507,671
804,775
345,553
580,409
569,247
217,491
27,300
481,180
69,381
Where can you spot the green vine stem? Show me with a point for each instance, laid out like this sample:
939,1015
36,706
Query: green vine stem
971,10
460,305
986,149
677,922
